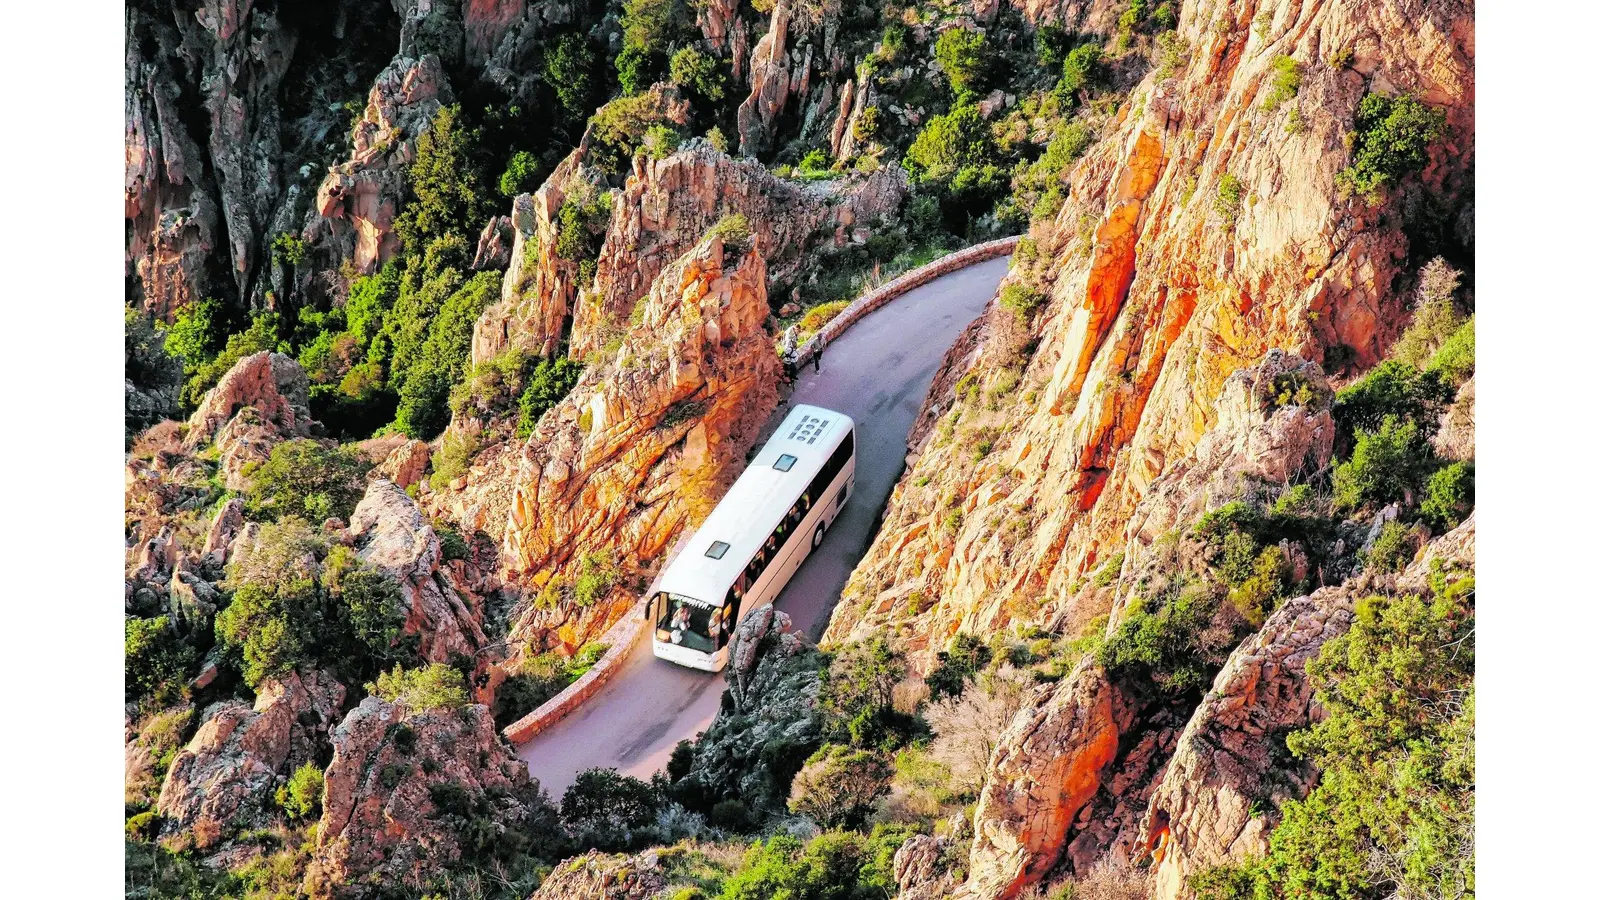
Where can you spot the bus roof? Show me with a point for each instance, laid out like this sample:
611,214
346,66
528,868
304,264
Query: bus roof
755,505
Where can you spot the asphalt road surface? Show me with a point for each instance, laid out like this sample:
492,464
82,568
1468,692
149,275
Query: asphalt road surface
878,373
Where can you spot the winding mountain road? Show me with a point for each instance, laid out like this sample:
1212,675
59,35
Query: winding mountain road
877,372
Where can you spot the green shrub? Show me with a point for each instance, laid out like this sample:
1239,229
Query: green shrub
1448,497
1163,647
147,365
838,786
1435,318
302,793
1082,70
1260,592
434,686
1050,44
1392,389
1172,53
660,141
445,186
156,660
442,359
1107,574
857,695
454,458
569,69
304,477
521,175
815,163
1284,83
1393,549
733,229
957,664
288,249
1039,186
581,224
605,810
1392,135
1230,200
370,599
551,381
1454,362
963,57
699,72
598,573
1388,465
263,334
1022,299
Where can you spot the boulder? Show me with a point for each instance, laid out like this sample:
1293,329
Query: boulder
275,390
222,781
604,876
392,533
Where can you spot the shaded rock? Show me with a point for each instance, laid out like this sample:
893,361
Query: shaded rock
222,781
393,534
603,876
225,526
494,244
402,791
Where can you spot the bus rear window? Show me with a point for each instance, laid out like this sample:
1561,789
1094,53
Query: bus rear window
690,623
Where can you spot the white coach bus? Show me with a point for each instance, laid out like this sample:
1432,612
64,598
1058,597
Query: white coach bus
750,545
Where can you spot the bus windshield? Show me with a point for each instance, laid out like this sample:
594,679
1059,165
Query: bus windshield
689,623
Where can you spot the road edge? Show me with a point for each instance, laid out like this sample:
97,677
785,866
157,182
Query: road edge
625,632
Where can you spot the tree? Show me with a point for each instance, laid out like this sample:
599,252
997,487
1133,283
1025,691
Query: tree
371,601
156,661
569,68
302,793
1388,465
967,727
1081,70
963,57
441,360
551,381
857,696
605,809
446,193
433,686
699,72
304,477
839,786
1391,140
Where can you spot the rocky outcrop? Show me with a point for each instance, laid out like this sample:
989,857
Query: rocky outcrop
645,443
668,205
359,198
222,781
604,876
769,83
405,464
773,684
1153,299
1228,763
1074,16
1048,766
263,400
393,534
540,285
402,791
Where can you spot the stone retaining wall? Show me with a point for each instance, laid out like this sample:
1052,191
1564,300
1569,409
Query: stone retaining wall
621,637
915,278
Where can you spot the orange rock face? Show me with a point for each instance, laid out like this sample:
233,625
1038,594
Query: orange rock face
643,445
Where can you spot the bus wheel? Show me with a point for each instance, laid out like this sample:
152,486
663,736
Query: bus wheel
816,539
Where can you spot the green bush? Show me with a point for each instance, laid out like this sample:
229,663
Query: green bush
370,600
1455,360
1392,389
963,57
606,810
304,477
434,686
1392,135
1284,84
1393,549
700,73
857,696
263,334
551,381
957,664
1436,318
660,141
815,163
156,660
302,793
569,69
454,458
1230,200
445,185
1022,299
288,249
147,365
521,175
598,573
1039,186
1050,45
581,224
1163,647
1082,70
442,359
1448,497
1388,465
821,314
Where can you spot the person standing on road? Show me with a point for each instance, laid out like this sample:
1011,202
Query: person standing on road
816,358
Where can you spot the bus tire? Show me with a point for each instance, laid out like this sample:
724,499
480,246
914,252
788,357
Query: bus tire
816,538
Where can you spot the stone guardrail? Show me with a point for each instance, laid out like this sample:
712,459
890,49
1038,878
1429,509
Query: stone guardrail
622,635
898,285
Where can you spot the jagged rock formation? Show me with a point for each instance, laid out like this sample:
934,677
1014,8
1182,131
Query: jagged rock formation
665,207
643,444
441,609
797,60
603,876
1153,302
227,104
773,684
262,401
400,792
222,781
359,198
